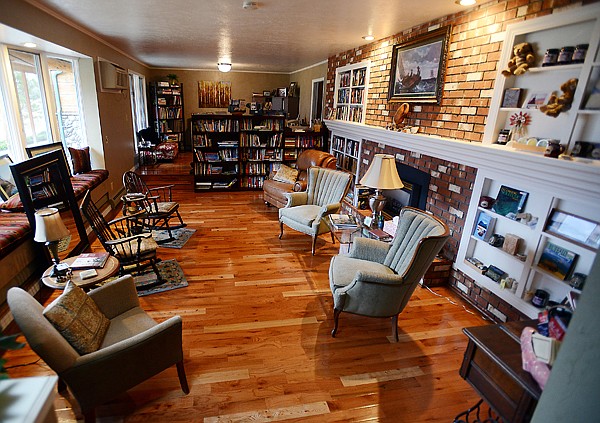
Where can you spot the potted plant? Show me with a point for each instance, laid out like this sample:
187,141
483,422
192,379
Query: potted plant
172,79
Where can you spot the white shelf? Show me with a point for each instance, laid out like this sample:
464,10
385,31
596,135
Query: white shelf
556,68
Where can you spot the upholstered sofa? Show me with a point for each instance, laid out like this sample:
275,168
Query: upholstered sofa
274,191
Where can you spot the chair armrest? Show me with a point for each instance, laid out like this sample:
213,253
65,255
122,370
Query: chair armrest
364,276
300,186
163,192
116,297
296,198
327,209
369,249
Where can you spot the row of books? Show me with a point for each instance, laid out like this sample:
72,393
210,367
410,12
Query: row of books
170,91
215,169
263,125
225,155
252,182
174,101
351,114
357,95
169,112
216,125
170,126
206,185
257,168
255,140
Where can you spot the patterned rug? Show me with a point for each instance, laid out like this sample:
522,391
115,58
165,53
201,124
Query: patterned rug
181,236
170,272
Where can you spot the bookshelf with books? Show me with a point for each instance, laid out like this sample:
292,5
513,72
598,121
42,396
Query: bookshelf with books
533,239
215,143
295,142
166,111
351,89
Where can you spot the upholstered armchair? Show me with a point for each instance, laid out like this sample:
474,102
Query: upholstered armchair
134,348
274,191
305,210
377,279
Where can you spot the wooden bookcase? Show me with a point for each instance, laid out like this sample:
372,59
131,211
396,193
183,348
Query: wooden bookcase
239,152
166,112
351,90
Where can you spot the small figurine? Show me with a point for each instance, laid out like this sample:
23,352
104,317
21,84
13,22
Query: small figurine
519,63
556,104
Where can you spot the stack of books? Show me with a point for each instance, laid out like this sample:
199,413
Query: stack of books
343,221
90,261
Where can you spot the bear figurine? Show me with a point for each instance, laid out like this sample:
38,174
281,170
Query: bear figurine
519,63
557,104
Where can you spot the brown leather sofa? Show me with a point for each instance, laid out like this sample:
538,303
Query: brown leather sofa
274,192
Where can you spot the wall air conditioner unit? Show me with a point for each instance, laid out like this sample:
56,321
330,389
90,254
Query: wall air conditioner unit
112,77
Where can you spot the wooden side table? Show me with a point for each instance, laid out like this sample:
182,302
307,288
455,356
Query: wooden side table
110,269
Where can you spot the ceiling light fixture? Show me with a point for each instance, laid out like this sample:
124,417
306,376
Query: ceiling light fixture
224,67
368,37
466,2
250,5
30,45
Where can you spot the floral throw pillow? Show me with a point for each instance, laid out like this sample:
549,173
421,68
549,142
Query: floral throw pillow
286,174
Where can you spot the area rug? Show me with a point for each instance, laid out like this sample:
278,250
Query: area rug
181,235
171,273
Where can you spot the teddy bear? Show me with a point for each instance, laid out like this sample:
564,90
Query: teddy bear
519,63
558,104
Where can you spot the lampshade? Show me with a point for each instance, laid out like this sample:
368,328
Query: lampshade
382,174
49,227
224,67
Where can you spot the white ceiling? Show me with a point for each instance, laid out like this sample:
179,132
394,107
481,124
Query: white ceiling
279,36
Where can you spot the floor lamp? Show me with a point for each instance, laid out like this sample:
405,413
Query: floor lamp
382,174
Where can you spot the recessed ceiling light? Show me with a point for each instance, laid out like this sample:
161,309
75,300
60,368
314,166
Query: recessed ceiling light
466,2
368,37
224,67
30,45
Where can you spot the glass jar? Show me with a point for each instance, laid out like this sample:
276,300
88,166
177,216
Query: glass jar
566,55
579,53
551,57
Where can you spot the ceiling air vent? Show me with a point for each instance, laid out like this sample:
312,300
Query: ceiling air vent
112,76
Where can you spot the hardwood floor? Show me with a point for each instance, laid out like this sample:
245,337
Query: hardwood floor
257,316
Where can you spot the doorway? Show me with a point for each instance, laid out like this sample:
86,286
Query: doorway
316,104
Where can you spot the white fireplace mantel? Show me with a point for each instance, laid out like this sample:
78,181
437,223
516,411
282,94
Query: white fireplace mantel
576,180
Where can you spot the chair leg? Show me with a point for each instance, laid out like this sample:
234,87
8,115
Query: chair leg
314,244
336,316
395,327
182,379
280,229
61,386
181,224
332,238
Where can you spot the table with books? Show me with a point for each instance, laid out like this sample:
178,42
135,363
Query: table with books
83,268
347,227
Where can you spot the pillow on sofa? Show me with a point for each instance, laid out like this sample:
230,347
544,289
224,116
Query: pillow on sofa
286,174
78,319
80,157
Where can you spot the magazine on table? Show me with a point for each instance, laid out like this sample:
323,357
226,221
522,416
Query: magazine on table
90,261
343,221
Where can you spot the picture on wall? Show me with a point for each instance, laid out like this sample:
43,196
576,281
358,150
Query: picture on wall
214,94
419,67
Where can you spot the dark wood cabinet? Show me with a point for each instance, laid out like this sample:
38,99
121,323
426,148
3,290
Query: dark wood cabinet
492,366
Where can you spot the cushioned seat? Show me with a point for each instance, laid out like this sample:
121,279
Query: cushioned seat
377,279
274,192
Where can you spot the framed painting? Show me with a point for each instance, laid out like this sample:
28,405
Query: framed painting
419,68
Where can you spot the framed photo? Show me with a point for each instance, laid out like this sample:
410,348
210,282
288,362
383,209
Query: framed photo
557,260
293,91
419,68
266,93
282,92
535,99
574,228
511,98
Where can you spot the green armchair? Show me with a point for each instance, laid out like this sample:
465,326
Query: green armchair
377,279
305,210
134,349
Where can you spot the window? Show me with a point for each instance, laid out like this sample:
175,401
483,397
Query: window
4,137
63,76
137,91
27,77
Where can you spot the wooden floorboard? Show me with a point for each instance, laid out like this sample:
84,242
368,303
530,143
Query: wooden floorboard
257,317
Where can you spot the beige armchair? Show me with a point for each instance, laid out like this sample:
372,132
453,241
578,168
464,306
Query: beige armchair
305,210
377,279
134,349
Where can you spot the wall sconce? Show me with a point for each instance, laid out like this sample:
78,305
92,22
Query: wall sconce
50,229
224,67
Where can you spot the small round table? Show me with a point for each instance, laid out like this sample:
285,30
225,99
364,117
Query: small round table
110,269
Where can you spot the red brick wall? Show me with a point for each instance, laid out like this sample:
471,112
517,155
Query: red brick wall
474,51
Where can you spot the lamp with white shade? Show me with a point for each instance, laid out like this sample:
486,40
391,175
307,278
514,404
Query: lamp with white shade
50,229
382,174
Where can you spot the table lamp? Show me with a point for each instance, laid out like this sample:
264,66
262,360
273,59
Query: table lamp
382,174
49,228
